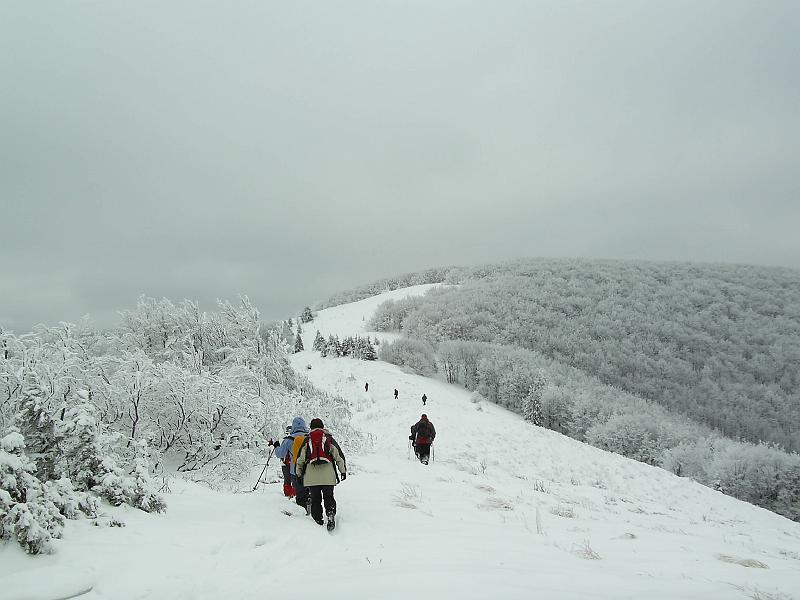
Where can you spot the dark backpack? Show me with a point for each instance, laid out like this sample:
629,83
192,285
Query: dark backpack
424,432
318,448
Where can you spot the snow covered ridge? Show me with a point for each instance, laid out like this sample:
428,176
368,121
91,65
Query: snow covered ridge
504,510
705,356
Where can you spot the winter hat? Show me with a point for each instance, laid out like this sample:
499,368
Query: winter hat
316,424
424,416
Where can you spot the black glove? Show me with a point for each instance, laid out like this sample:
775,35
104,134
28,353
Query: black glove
344,475
411,437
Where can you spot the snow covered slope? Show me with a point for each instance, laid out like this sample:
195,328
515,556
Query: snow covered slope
505,510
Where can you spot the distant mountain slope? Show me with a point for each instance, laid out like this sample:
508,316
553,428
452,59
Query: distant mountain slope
718,343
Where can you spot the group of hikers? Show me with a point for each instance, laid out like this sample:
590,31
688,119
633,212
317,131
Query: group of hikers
313,463
311,458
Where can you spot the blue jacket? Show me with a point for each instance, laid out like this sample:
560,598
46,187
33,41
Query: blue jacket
298,428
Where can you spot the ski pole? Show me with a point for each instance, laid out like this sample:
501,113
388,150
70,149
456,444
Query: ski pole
432,453
264,470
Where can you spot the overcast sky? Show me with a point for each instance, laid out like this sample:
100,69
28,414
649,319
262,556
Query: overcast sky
289,150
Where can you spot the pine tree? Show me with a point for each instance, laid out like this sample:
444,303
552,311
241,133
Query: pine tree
26,513
298,344
319,342
86,462
532,406
37,428
143,494
306,316
348,347
369,351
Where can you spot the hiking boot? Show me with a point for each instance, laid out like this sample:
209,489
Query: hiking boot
320,522
425,461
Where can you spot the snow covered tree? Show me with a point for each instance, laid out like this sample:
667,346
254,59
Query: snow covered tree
26,513
35,423
319,342
298,344
86,461
306,316
532,406
368,352
143,494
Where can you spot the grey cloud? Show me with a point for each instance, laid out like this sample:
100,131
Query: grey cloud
289,150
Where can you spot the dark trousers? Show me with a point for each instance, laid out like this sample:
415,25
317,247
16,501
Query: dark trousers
288,488
423,451
318,493
301,492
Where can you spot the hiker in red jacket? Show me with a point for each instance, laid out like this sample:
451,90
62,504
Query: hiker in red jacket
422,434
317,460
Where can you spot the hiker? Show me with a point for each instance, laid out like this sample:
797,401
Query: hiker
288,449
395,393
286,466
317,461
424,399
366,387
422,434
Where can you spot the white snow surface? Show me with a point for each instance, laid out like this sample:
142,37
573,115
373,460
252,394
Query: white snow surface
505,510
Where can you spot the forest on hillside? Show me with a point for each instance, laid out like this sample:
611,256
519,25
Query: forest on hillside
717,343
691,367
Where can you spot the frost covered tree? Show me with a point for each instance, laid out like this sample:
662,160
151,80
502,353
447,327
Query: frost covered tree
142,493
306,316
35,423
27,514
319,342
298,343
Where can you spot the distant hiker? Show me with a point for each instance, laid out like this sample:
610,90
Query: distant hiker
424,399
395,393
422,434
366,387
317,461
289,448
286,465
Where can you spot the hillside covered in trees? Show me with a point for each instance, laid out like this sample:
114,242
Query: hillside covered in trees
694,367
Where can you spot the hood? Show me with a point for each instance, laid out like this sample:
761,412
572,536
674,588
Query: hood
299,425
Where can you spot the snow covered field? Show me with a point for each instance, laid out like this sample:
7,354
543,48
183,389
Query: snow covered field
505,510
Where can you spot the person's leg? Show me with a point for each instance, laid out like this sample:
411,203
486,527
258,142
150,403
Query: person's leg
316,502
424,452
330,501
301,493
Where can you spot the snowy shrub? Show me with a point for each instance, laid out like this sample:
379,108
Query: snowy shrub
27,513
415,355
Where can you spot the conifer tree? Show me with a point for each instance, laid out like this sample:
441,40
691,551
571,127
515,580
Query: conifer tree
306,316
26,512
298,344
319,342
369,351
37,428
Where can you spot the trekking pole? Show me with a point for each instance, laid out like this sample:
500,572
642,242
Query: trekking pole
432,453
264,470
409,449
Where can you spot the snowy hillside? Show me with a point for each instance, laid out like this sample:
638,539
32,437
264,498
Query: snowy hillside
505,510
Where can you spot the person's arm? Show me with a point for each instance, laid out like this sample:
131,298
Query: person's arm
433,432
300,467
284,448
339,460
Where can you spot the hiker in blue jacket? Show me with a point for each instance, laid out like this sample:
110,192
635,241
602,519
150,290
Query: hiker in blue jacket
289,447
